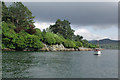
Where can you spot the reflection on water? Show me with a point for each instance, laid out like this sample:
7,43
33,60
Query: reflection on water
76,64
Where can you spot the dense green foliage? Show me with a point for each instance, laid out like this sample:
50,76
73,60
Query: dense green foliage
20,40
69,44
78,44
19,32
63,28
51,39
20,16
77,38
5,12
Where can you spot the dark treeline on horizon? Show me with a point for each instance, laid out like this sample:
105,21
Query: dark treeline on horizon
19,32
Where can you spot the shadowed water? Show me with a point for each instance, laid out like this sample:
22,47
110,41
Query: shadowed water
76,64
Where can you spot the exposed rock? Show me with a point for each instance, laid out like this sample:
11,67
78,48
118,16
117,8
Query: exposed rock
76,49
29,49
7,49
56,47
84,49
69,49
62,48
52,48
45,48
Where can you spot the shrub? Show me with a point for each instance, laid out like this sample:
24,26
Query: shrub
58,39
5,27
92,46
76,47
33,41
8,35
78,43
85,43
69,44
49,38
20,41
6,43
39,34
26,40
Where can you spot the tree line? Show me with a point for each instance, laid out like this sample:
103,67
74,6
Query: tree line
19,32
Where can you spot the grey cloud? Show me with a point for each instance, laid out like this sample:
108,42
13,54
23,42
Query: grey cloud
78,13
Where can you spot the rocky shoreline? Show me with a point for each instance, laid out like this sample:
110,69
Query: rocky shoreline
52,48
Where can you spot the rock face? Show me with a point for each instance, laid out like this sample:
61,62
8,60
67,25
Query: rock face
45,48
29,49
84,49
69,49
62,48
56,47
7,49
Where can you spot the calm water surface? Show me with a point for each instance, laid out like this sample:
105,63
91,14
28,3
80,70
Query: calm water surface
76,64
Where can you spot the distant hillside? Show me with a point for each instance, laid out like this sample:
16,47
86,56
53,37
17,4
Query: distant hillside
107,43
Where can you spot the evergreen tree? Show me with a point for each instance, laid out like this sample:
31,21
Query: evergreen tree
5,13
20,14
63,28
22,17
78,38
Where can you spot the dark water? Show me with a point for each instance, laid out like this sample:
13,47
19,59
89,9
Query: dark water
76,64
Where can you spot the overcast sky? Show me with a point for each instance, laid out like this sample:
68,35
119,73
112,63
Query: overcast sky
92,20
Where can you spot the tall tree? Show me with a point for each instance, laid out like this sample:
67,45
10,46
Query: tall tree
63,28
5,13
21,16
78,38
